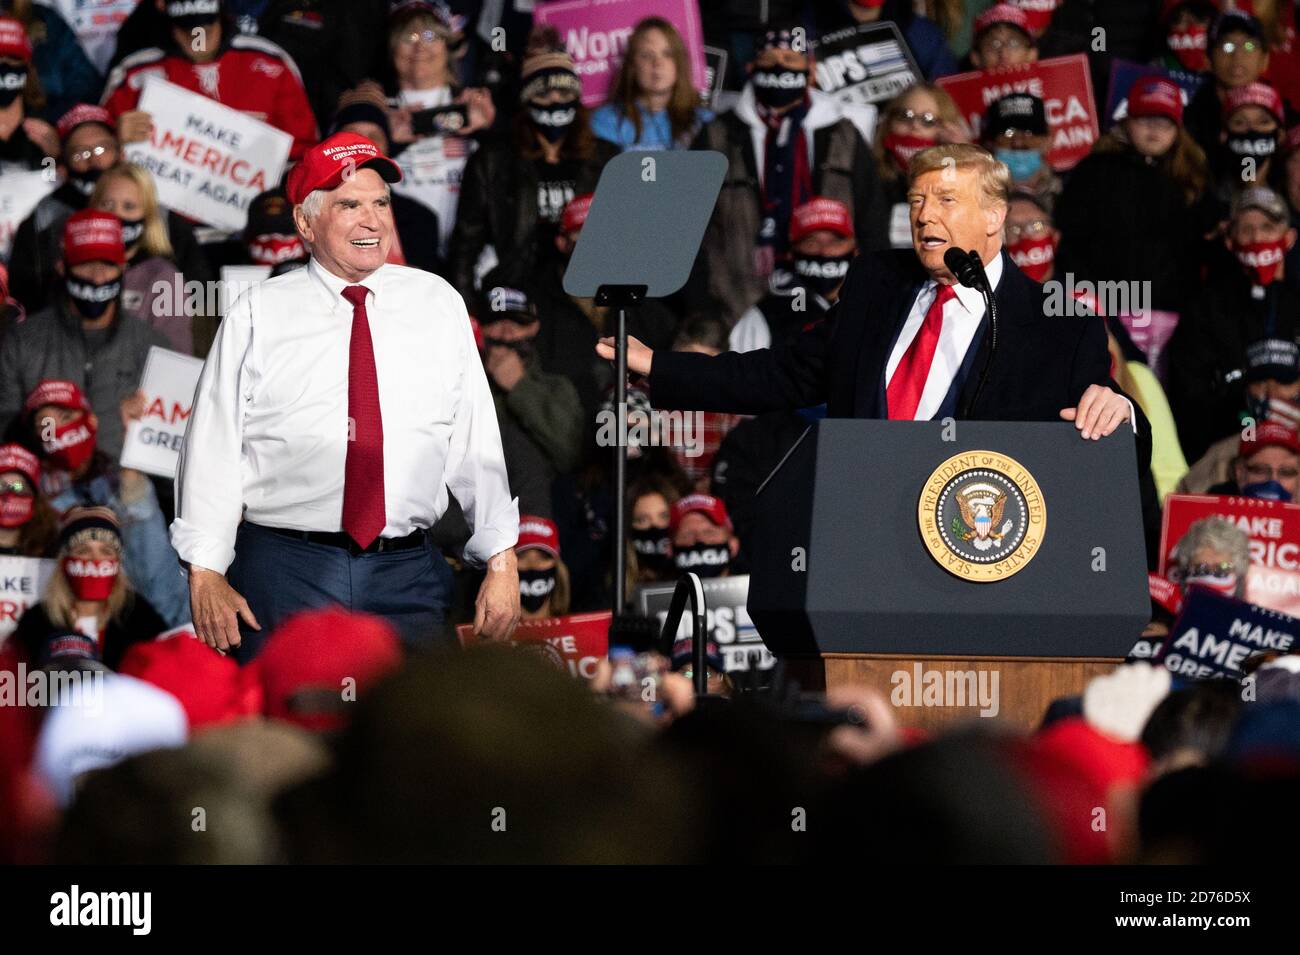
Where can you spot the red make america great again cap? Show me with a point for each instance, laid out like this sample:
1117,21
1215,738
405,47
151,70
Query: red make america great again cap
326,164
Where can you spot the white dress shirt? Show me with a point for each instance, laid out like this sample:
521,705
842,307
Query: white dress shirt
268,435
961,320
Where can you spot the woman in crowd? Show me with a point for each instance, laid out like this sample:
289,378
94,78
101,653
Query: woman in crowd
1214,553
650,551
27,524
59,422
653,103
127,191
434,146
89,592
1151,179
920,116
66,74
516,187
543,578
24,140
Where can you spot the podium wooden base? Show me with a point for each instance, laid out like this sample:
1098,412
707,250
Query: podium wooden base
1015,690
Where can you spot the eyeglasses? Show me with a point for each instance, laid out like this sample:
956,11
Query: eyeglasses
93,153
420,36
924,120
1223,569
1228,47
1262,472
1030,230
1015,44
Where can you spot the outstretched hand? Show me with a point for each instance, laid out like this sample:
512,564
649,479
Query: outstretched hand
639,356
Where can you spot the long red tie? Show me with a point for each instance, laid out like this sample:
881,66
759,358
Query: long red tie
905,388
364,514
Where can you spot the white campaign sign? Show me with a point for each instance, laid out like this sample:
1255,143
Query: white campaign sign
20,191
22,583
208,160
153,443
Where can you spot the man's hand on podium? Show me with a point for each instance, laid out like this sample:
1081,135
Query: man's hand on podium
1100,412
639,356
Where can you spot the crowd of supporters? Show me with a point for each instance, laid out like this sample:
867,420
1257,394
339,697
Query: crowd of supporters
1189,198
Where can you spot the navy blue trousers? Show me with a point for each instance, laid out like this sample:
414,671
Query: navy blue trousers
280,575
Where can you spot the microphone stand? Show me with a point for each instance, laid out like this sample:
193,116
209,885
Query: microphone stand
981,282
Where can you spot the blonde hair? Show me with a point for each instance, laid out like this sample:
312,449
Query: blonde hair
948,113
154,241
994,177
60,603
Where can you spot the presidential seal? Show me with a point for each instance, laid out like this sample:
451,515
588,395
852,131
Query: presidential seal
982,516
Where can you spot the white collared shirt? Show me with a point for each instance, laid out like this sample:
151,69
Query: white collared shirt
961,320
267,437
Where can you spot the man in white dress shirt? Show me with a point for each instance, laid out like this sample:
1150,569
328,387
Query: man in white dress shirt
338,407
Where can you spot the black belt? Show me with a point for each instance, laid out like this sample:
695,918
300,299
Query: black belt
345,542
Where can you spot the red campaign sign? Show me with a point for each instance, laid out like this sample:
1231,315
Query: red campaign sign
574,643
1062,83
1274,531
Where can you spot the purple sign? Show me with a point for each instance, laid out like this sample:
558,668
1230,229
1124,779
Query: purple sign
595,32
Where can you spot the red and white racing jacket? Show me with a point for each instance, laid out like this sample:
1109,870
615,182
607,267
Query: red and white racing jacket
251,74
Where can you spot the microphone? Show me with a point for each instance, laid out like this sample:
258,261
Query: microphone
966,267
969,270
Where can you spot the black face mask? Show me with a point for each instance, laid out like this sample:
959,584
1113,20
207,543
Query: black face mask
92,300
1256,145
553,120
132,230
775,87
822,273
653,548
707,560
84,182
535,586
13,80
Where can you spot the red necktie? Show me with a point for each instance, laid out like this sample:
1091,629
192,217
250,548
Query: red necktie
904,391
364,515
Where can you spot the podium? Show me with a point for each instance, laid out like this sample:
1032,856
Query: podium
1007,548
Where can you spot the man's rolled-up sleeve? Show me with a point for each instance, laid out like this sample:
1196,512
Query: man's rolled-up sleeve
209,485
476,465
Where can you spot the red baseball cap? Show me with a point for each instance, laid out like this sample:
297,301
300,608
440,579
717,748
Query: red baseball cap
1253,94
539,532
1156,96
1270,433
55,391
706,504
93,236
820,213
208,685
84,113
1001,13
307,659
575,212
13,40
14,457
326,164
